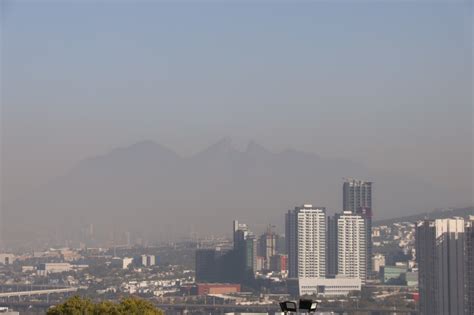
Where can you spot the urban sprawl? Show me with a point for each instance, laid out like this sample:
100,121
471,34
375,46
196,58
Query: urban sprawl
347,262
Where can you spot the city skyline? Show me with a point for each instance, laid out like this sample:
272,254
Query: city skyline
228,266
236,157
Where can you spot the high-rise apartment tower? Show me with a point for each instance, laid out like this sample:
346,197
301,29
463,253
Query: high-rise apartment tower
351,246
306,242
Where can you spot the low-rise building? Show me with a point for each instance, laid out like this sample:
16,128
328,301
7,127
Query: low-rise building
337,286
410,278
377,262
215,288
69,254
7,259
28,268
7,311
47,268
392,274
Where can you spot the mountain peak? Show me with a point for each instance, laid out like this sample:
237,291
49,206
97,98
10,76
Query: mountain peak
144,144
224,145
254,147
145,147
147,142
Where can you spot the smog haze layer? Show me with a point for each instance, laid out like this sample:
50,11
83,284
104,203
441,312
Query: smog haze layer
121,114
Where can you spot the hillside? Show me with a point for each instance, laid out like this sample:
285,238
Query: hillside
436,214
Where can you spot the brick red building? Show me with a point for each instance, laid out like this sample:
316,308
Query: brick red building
216,288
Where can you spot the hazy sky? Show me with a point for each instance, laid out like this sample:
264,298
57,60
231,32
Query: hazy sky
388,84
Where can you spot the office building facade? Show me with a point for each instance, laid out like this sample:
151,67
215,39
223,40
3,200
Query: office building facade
241,231
440,254
206,265
245,247
470,265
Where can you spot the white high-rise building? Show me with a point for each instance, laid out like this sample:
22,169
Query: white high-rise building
148,260
440,254
351,246
306,242
126,262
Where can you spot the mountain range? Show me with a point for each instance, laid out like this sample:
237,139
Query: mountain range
149,189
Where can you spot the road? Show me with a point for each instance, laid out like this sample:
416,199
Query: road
36,292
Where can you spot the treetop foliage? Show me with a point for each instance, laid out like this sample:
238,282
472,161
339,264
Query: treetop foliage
84,306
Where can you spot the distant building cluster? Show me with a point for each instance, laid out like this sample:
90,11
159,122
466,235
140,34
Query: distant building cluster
324,255
248,256
426,265
394,254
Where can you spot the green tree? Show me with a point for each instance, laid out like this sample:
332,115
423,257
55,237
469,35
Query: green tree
82,306
107,307
73,306
137,306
